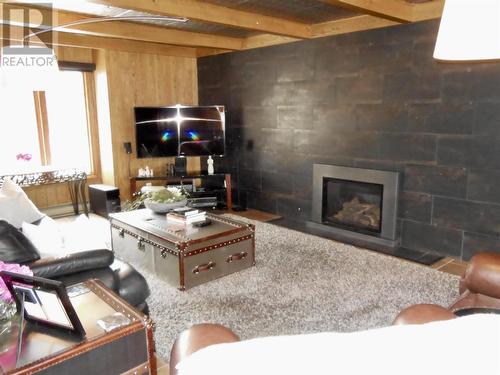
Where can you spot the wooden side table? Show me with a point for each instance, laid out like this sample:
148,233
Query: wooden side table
127,349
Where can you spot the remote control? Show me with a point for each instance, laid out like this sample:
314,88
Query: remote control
203,223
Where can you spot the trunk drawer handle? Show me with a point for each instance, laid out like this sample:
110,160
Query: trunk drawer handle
237,256
140,243
121,233
204,267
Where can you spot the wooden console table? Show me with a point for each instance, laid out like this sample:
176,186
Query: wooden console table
76,180
181,179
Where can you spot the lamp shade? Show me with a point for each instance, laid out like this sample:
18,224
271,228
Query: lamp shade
469,31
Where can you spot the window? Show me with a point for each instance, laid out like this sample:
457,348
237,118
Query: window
52,127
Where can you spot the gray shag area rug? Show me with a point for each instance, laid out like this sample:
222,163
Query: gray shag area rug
300,284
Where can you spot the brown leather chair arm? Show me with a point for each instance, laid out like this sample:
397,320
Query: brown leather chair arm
198,337
423,313
483,275
462,286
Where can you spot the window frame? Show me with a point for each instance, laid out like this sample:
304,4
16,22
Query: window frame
42,124
92,125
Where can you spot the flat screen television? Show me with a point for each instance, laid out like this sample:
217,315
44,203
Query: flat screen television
157,132
180,131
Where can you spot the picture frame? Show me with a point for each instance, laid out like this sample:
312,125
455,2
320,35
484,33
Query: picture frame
44,301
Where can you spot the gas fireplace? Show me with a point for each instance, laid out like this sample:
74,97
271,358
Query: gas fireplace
356,203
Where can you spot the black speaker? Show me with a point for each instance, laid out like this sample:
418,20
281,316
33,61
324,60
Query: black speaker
180,168
104,199
128,147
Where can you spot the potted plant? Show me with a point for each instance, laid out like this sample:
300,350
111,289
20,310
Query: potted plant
165,200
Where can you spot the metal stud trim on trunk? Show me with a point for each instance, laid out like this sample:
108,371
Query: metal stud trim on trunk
222,244
141,241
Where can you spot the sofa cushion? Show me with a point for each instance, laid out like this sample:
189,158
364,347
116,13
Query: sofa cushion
46,237
15,206
82,235
54,239
14,246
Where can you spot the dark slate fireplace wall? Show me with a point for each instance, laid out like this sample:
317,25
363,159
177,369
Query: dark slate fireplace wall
373,99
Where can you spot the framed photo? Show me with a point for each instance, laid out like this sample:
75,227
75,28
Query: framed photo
45,301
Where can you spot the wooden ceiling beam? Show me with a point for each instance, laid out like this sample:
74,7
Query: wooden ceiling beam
394,10
427,11
350,25
99,42
336,27
133,31
202,52
265,40
123,30
211,13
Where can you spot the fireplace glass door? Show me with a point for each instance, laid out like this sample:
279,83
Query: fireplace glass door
352,205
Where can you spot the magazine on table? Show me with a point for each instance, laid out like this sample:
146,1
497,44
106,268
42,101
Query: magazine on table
186,215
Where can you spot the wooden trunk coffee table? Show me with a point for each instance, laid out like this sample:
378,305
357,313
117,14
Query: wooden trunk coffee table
183,256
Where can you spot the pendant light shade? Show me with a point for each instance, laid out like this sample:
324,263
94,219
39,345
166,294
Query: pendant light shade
469,31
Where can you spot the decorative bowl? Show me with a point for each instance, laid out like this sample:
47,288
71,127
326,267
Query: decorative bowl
163,208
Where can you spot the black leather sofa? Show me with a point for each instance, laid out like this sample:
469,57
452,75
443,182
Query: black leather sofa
100,264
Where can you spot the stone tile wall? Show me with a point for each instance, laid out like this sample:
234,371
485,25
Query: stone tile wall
373,99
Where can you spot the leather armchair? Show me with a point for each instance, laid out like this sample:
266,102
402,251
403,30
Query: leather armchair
480,285
71,269
479,289
198,337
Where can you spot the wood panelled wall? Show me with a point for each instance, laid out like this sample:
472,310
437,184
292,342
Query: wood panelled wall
125,80
134,79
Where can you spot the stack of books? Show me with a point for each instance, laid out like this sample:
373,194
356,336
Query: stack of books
186,215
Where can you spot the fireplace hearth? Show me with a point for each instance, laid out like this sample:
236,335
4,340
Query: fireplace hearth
355,204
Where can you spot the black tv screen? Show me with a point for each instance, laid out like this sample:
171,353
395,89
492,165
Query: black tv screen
180,131
201,131
157,132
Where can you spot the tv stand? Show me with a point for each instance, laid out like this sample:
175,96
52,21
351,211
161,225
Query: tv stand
182,179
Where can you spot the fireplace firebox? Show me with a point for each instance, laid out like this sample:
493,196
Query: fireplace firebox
356,203
352,205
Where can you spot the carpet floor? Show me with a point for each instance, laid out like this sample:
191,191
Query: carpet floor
300,284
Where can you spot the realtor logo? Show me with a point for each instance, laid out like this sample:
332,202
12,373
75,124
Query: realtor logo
25,45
